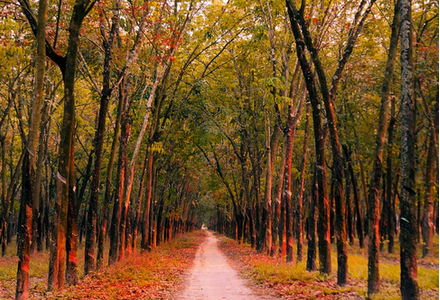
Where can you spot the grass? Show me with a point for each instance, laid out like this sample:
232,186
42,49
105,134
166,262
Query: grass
143,275
283,279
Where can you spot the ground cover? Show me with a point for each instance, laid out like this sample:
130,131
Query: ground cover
291,281
144,275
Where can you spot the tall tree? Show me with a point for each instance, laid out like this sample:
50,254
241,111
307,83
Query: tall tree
408,220
301,32
89,262
300,204
30,161
321,177
374,194
64,182
428,210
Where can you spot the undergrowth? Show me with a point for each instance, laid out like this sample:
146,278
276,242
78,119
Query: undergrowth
143,275
292,281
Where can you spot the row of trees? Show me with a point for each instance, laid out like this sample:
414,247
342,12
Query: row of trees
149,118
324,58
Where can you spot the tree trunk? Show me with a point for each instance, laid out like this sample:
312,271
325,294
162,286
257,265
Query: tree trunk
408,226
141,196
89,261
311,225
72,229
300,218
280,212
357,204
108,183
293,117
428,210
38,201
349,211
115,228
57,263
25,228
323,202
146,232
374,195
29,162
5,206
390,174
276,207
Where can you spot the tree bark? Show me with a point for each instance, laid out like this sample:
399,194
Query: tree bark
323,202
294,115
299,222
109,178
115,237
428,210
280,211
389,175
311,225
374,194
146,232
5,206
68,66
89,260
72,228
141,196
348,201
328,96
38,201
357,204
408,225
30,162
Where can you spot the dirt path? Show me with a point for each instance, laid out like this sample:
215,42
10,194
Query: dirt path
212,277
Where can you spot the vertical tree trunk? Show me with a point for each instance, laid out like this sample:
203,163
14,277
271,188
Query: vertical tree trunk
89,262
280,213
428,210
72,228
128,182
57,263
390,174
25,229
38,201
267,208
5,206
408,226
323,202
287,191
299,222
141,196
349,211
29,163
374,195
293,117
357,204
275,208
146,232
311,225
115,237
109,178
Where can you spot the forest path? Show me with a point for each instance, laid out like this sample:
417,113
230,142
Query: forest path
212,276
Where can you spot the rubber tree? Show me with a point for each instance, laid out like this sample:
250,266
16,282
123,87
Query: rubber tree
374,193
64,183
302,34
408,219
30,161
